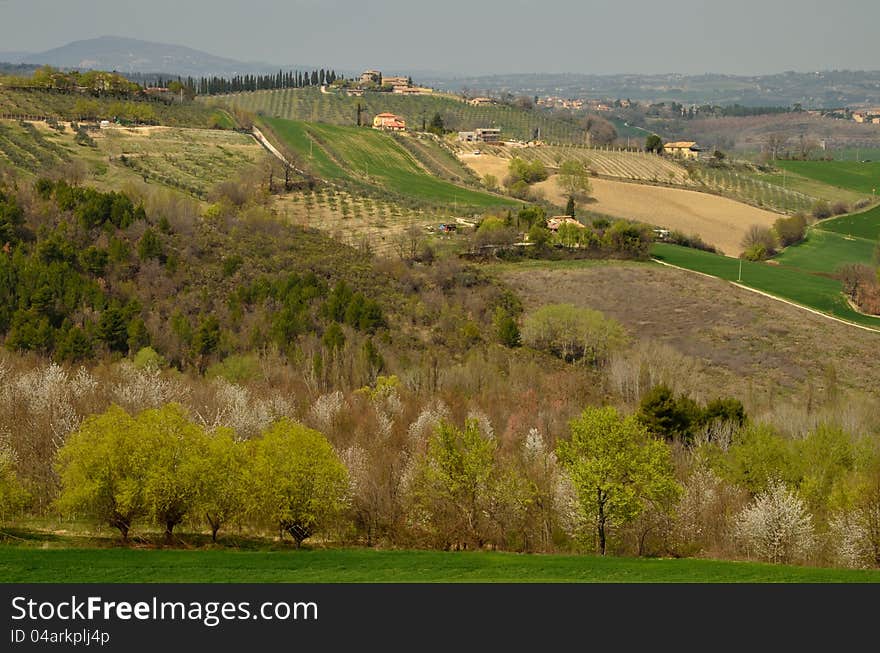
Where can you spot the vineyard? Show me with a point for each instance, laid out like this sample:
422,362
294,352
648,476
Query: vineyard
311,105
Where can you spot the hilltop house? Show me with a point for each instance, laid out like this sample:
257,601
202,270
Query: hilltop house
389,122
683,149
371,77
481,102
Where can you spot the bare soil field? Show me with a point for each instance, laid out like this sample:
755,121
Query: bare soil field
719,221
749,345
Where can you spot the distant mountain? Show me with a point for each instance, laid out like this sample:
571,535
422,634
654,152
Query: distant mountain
13,56
127,55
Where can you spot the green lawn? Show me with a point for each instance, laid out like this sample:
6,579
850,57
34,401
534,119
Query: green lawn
810,289
340,153
123,565
851,175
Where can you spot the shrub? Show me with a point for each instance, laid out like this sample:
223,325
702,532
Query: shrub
776,526
839,207
790,230
235,368
148,358
759,240
821,210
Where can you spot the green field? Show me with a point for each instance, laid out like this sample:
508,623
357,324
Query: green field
809,289
861,225
825,251
124,565
310,105
850,175
376,159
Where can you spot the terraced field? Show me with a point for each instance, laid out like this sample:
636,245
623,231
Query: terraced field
374,159
311,105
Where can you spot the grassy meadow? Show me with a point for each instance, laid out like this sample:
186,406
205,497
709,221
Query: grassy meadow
125,565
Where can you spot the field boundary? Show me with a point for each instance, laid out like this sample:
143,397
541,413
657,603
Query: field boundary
771,296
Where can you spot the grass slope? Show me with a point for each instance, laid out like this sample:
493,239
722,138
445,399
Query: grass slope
809,289
374,158
851,175
122,565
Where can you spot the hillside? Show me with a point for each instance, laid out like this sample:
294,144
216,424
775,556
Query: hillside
366,157
190,160
129,55
311,105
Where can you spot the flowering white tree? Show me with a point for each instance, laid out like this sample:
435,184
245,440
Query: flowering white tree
776,526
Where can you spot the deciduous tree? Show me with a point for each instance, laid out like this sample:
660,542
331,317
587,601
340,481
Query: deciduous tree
616,468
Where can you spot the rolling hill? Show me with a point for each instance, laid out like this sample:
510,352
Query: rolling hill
310,104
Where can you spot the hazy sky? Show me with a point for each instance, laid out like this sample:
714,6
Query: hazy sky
478,36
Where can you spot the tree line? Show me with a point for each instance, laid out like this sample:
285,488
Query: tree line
217,85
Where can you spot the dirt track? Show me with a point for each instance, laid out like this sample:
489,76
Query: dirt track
717,220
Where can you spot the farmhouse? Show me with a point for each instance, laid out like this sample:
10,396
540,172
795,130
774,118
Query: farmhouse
389,122
683,149
554,223
481,102
395,81
371,77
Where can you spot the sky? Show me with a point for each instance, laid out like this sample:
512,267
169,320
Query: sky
478,36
